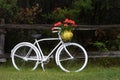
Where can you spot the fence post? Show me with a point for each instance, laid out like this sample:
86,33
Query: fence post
2,39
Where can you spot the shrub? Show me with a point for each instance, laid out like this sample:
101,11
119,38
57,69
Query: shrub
8,9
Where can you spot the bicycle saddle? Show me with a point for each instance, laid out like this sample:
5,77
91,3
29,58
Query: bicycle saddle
36,36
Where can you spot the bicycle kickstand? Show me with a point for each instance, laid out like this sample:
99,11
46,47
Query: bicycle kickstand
42,65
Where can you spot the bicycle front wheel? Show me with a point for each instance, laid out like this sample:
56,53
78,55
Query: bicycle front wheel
24,56
72,57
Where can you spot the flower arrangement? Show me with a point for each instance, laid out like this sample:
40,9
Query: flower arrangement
67,28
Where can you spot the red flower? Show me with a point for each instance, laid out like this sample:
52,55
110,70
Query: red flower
69,21
58,24
66,20
66,25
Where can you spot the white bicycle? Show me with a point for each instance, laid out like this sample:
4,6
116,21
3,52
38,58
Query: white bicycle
69,56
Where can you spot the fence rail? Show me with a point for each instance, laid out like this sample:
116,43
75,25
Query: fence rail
48,26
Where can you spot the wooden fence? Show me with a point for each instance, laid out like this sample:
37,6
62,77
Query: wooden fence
48,26
3,26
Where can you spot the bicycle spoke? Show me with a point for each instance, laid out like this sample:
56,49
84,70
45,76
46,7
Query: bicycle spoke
66,59
19,56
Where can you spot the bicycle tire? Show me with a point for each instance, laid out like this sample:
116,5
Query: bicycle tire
21,60
75,64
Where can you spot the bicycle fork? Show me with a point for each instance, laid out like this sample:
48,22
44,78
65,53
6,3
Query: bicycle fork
71,57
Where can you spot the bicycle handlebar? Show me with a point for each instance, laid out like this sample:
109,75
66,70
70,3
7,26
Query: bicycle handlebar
56,30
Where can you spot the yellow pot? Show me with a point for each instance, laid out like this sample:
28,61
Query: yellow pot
67,35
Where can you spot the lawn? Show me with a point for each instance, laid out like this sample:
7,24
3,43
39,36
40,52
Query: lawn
91,72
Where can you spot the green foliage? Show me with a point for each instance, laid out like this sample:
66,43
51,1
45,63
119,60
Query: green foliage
73,12
8,5
28,15
79,4
117,43
100,45
60,14
8,9
105,12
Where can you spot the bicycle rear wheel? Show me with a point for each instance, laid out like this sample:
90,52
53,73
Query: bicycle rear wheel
24,56
72,57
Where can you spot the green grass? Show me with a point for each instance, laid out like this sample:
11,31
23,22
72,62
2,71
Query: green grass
91,72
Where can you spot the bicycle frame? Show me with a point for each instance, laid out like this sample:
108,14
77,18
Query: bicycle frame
44,58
